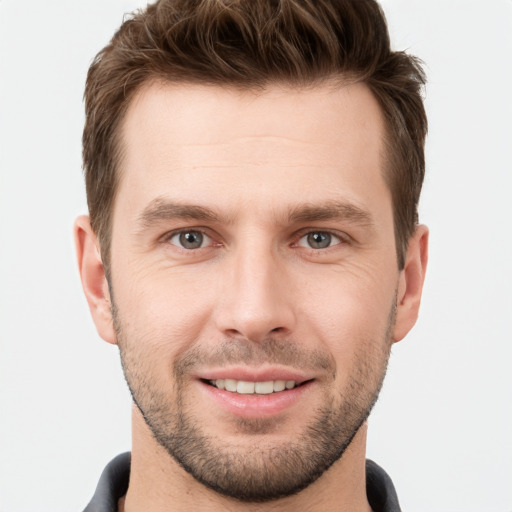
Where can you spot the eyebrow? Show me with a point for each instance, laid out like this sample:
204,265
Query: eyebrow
330,210
160,210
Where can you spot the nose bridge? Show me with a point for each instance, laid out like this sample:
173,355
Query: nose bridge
256,298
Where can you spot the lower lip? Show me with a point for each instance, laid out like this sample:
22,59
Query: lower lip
256,406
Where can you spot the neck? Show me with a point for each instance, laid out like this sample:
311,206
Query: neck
157,480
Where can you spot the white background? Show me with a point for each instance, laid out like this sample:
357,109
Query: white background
443,426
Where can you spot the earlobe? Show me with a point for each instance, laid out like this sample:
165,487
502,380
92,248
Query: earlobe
410,285
94,281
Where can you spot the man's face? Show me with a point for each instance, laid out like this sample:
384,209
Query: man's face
253,251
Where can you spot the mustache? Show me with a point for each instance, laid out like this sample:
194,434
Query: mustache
245,352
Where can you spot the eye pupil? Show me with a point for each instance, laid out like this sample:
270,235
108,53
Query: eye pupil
191,239
319,240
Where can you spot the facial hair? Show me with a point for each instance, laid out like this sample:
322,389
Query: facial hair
258,471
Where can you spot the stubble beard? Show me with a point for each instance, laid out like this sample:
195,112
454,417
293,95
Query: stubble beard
258,471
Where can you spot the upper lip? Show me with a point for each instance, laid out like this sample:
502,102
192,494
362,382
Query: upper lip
255,374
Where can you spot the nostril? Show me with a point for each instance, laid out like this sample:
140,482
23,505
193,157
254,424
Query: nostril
234,333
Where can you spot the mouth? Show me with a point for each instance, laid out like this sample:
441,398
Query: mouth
256,393
244,387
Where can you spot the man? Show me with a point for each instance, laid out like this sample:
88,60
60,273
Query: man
253,170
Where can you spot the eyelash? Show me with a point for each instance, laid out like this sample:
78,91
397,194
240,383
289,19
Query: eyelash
342,238
333,236
169,236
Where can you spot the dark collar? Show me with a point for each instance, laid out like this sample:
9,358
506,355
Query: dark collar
380,490
113,485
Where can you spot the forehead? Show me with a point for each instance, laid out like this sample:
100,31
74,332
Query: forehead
193,113
201,141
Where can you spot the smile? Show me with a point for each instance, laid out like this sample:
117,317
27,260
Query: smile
250,388
256,396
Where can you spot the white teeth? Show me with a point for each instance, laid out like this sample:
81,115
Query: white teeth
249,388
230,385
264,388
279,385
245,388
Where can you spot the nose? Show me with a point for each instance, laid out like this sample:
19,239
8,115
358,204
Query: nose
255,300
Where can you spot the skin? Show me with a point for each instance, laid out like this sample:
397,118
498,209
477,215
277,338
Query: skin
265,165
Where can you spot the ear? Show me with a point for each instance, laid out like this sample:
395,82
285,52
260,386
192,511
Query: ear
94,281
410,285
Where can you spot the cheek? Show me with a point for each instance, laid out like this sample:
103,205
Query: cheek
163,311
351,311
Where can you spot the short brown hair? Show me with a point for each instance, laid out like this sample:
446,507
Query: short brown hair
251,44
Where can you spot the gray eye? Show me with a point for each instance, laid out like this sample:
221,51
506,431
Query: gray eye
189,239
319,240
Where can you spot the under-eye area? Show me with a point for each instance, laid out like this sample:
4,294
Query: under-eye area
254,388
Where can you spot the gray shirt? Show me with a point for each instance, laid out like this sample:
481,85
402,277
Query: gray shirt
113,485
